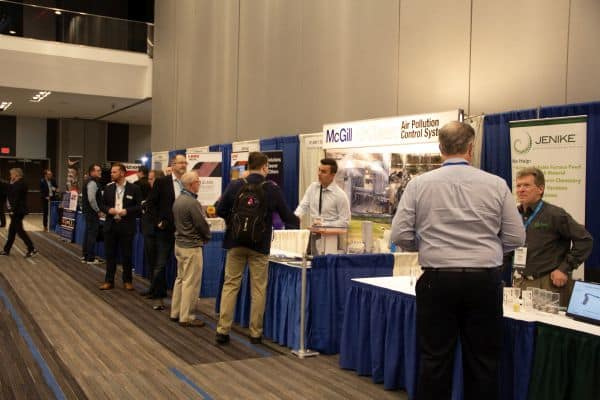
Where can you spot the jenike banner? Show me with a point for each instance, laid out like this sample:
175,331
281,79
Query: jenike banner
557,146
409,129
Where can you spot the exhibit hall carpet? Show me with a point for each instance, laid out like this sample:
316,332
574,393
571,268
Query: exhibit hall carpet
61,337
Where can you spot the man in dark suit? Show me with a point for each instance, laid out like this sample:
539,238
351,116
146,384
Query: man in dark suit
121,201
161,199
17,196
48,189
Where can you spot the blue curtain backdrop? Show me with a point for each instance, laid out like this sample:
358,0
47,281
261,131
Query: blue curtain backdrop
496,157
225,149
290,146
173,153
495,149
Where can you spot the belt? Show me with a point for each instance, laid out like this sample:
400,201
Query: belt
492,269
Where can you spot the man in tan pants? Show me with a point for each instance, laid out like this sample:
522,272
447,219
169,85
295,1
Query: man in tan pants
191,232
248,205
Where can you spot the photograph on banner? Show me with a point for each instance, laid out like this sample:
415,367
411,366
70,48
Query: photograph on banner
160,160
73,181
557,146
239,164
208,168
374,181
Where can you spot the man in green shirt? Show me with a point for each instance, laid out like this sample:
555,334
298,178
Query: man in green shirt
556,244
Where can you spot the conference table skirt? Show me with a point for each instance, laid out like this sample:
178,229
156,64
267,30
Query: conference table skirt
379,339
213,255
327,282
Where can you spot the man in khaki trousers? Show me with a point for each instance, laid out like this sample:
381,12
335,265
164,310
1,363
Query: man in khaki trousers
241,196
191,232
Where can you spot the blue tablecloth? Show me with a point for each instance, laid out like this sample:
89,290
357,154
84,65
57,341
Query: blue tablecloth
213,258
379,339
53,215
327,282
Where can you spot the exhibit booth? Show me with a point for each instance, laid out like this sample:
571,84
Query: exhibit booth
372,326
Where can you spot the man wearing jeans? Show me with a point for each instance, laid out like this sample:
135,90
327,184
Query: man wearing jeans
461,220
92,214
191,232
256,255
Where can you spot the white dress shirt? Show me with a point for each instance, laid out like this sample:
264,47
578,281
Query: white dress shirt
177,185
335,207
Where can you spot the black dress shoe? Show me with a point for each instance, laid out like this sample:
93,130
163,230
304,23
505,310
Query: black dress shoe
221,338
256,340
174,319
32,253
4,253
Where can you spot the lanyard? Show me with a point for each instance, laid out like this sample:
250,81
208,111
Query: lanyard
533,215
455,163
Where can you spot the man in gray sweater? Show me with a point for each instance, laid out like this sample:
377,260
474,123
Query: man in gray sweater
191,232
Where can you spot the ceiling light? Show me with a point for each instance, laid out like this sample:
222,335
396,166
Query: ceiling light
57,12
5,105
39,96
12,32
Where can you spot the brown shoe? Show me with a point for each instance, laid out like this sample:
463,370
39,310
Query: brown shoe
195,323
128,286
106,286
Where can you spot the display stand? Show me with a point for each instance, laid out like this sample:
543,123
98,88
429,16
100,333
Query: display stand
302,351
288,246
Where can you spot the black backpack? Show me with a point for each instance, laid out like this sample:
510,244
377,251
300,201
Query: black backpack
248,214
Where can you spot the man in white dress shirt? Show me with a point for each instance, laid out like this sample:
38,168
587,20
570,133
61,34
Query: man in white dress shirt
324,201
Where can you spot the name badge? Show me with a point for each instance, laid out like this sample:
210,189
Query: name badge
520,259
129,196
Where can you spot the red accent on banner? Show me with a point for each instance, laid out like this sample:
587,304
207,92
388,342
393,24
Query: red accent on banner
5,150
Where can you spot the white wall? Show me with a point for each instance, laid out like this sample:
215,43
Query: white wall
63,67
246,69
31,138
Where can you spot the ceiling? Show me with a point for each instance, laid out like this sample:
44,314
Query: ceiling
70,105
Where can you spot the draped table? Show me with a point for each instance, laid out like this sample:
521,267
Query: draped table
544,356
327,282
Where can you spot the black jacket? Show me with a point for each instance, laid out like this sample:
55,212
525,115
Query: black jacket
276,203
132,202
17,197
160,202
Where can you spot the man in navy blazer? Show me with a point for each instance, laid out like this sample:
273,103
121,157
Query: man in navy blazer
121,201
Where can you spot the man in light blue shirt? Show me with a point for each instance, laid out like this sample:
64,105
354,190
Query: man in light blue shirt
324,201
461,220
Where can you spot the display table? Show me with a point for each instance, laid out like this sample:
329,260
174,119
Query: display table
379,339
213,255
327,282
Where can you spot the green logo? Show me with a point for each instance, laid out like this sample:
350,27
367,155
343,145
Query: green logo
523,146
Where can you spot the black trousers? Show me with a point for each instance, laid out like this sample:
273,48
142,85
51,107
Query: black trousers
465,306
16,228
118,235
165,245
45,213
2,215
150,253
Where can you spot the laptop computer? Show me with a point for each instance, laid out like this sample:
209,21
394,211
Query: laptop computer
585,302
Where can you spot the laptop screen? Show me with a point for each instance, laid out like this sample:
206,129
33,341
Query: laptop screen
585,302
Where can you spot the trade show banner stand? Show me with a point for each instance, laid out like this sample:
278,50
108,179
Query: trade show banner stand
208,167
558,147
376,160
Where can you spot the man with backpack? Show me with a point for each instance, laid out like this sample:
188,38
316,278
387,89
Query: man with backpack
247,205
